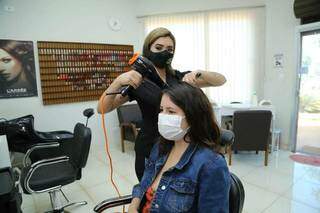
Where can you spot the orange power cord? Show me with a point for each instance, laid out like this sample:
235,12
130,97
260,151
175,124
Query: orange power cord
107,148
101,100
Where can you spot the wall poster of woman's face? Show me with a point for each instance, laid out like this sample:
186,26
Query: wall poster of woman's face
17,69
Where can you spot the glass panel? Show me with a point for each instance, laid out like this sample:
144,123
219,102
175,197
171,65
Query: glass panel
308,133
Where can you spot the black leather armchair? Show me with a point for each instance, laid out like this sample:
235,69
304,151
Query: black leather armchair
130,120
51,174
252,131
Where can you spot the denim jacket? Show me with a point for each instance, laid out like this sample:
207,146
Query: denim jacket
199,182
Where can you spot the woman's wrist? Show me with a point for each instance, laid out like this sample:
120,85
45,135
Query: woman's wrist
133,207
135,203
114,87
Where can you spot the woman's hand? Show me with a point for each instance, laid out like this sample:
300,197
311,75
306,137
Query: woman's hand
190,78
131,77
200,78
108,103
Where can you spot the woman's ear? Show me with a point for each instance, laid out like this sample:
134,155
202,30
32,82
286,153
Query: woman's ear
184,123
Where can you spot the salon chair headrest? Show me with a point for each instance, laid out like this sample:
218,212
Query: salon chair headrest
226,137
88,112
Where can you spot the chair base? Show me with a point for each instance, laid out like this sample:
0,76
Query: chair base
57,211
56,202
62,210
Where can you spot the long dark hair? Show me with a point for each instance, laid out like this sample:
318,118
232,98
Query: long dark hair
199,115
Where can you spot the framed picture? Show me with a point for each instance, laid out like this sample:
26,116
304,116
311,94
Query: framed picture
17,69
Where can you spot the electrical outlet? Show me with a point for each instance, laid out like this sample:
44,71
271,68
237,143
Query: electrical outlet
9,8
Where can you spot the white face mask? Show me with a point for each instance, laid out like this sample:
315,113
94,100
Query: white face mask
169,127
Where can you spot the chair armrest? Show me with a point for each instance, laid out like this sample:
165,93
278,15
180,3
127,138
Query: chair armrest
36,147
112,202
39,164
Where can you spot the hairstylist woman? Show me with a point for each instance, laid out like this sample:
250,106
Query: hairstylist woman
159,47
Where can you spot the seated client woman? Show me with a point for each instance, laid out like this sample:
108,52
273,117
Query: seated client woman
185,172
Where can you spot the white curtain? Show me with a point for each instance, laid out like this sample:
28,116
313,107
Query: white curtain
230,42
189,34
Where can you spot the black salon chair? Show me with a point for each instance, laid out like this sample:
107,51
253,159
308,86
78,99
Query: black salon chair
236,195
236,198
10,197
21,134
51,174
130,120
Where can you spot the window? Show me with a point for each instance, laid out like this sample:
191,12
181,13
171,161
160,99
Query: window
230,42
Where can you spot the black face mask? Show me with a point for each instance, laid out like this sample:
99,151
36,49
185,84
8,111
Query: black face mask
160,59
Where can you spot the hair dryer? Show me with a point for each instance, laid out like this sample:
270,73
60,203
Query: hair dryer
146,68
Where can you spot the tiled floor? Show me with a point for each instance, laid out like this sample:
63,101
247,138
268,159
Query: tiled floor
281,187
308,130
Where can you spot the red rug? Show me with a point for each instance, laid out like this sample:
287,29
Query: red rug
306,159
